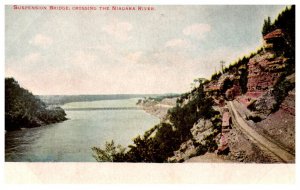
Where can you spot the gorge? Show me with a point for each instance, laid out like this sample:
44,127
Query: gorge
245,113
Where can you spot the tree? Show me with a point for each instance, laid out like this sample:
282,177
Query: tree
267,27
23,109
110,153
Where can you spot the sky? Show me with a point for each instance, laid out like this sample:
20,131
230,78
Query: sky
125,52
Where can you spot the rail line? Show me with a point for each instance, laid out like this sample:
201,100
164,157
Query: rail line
261,141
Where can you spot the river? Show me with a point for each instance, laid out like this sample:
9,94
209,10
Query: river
87,126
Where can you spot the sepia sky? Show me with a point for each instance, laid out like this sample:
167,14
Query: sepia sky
109,52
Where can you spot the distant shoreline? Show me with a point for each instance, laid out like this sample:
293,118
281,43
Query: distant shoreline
158,108
63,99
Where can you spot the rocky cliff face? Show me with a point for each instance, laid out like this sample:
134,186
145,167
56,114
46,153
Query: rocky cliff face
263,89
245,113
24,110
266,67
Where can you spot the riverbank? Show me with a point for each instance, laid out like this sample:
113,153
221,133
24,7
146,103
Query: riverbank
73,139
157,108
25,110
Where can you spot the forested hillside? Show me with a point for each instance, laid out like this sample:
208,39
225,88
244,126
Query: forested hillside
24,110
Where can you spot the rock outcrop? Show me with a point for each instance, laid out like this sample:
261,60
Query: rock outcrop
267,89
203,134
257,92
264,71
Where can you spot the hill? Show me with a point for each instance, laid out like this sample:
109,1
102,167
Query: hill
24,110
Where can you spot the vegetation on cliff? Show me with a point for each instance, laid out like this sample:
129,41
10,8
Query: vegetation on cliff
159,143
284,48
285,21
24,110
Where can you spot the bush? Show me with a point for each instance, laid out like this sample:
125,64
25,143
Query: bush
111,153
155,146
216,76
280,91
159,143
25,110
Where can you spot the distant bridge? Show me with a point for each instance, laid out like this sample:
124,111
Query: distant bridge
103,108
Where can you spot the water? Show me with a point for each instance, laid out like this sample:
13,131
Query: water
72,140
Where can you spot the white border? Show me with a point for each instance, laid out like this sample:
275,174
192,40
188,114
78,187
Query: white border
153,167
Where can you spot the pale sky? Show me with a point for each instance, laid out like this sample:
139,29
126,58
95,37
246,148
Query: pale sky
109,52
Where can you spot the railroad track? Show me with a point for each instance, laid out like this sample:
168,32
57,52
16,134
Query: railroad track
275,151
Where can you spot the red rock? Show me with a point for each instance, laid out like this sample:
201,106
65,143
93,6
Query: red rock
274,34
234,91
263,74
212,86
225,120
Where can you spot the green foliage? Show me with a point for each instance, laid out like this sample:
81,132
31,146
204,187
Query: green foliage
208,144
285,21
183,118
240,68
111,152
206,82
216,76
217,122
183,97
156,147
281,90
24,110
159,143
267,27
160,98
139,101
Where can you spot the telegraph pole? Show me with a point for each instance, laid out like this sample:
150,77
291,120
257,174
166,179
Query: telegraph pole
222,63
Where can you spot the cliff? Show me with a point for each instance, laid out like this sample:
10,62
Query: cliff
24,110
245,113
256,99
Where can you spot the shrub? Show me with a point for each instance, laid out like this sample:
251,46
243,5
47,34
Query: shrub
111,153
280,91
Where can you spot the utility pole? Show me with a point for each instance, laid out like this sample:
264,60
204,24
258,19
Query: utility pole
222,63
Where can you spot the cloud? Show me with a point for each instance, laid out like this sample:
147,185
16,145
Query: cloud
177,43
23,65
134,57
41,40
82,62
197,30
31,58
118,29
105,48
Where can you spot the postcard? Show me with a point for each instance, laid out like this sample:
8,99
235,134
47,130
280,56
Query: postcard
126,88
